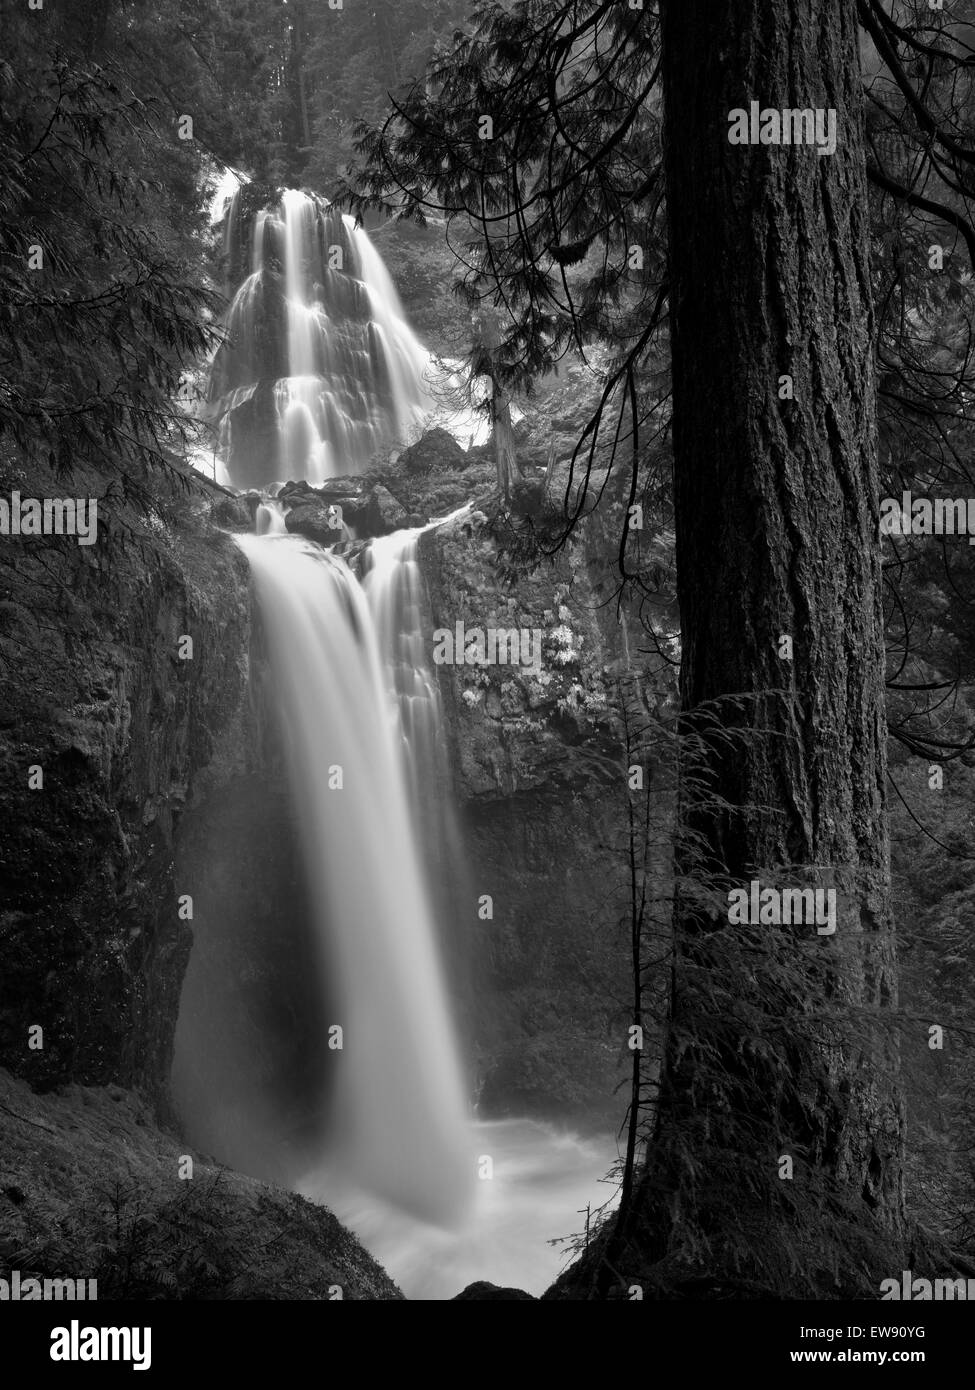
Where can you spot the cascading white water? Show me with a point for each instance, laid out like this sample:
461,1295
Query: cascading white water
393,587
398,1073
320,368
269,520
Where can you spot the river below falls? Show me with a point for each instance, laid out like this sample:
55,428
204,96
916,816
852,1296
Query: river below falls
543,1179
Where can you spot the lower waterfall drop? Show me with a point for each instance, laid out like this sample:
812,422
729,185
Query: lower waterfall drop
399,1117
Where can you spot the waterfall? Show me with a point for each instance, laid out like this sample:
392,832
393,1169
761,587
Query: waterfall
393,587
315,1044
269,520
319,370
398,1123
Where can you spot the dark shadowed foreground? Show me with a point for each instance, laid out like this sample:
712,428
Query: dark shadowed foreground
90,1189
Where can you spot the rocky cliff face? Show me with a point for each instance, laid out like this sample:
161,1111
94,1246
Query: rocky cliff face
125,669
538,779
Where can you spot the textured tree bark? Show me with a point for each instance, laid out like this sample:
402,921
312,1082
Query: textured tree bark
777,536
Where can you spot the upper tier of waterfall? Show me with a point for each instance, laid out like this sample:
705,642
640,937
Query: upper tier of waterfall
319,369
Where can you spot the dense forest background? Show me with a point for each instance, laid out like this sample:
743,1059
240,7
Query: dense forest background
103,339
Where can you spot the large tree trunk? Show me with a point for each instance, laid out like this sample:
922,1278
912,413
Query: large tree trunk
776,1040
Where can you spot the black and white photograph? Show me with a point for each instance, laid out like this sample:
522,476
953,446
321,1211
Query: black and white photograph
487,675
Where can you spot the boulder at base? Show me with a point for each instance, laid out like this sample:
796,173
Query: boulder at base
483,1290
